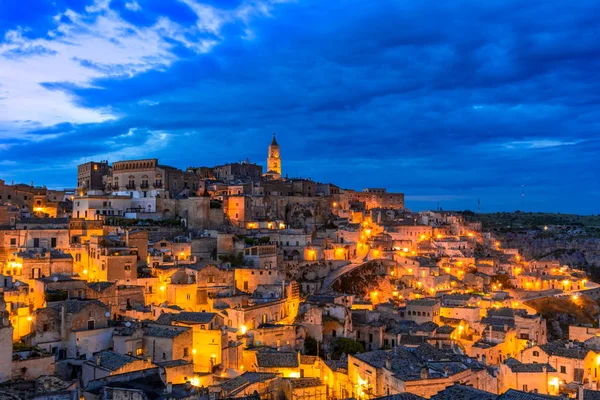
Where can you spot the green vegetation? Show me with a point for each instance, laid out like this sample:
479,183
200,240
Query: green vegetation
563,311
505,221
310,346
250,241
235,261
345,346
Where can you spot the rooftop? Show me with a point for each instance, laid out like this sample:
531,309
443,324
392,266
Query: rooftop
277,359
186,317
111,360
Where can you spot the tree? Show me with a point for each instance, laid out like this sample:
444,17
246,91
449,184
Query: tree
235,261
310,346
346,346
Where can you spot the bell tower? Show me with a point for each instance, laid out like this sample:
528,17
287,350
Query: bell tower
274,159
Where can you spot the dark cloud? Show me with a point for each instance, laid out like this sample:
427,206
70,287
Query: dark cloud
455,100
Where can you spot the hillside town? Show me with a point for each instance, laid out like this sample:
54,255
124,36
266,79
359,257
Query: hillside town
236,281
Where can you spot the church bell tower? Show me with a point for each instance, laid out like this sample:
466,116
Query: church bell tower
274,159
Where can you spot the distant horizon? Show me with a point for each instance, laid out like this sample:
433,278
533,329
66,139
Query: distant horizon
407,198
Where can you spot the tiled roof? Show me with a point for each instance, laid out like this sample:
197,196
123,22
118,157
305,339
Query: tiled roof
112,360
464,393
169,332
34,254
305,382
445,330
245,379
401,396
277,359
591,394
308,359
512,394
563,348
337,365
75,306
186,317
408,364
44,221
517,366
59,278
100,286
423,302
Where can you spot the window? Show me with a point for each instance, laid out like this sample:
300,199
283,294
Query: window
185,351
77,257
536,353
45,327
36,242
524,388
53,242
90,325
164,356
189,296
13,241
139,351
127,268
211,279
563,369
245,285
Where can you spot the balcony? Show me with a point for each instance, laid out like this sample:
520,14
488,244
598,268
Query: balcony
158,185
114,187
144,186
130,186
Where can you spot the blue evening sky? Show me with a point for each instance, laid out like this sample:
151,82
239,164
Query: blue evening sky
446,101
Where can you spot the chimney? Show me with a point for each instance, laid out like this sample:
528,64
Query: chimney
169,388
580,392
424,373
149,359
388,362
97,360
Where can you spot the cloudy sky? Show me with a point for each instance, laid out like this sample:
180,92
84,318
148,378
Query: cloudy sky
446,101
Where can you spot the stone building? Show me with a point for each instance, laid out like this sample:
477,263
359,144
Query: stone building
423,310
539,378
168,343
62,328
111,259
423,371
238,171
208,339
572,361
117,297
91,176
6,349
32,264
108,363
149,178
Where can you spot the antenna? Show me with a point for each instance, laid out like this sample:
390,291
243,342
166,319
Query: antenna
478,205
522,197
